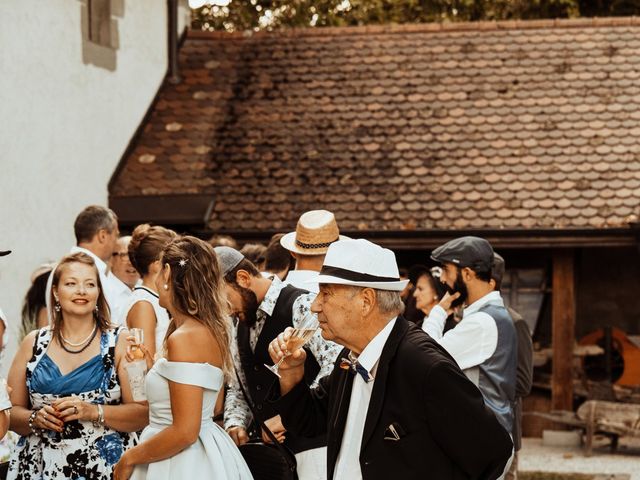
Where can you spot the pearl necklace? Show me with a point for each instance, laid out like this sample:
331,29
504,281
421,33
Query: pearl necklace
91,335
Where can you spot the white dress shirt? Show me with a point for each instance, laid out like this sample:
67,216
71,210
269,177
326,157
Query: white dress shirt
348,463
118,294
473,340
305,279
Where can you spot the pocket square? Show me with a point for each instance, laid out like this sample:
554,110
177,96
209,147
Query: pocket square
394,432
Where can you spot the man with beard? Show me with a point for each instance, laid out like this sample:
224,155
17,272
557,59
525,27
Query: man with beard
484,342
264,307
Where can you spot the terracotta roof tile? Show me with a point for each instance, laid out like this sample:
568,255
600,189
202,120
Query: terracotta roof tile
402,127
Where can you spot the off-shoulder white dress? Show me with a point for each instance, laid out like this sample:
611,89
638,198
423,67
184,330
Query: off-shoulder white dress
213,455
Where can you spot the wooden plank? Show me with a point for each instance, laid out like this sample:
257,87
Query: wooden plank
163,209
623,415
563,313
566,418
417,240
591,429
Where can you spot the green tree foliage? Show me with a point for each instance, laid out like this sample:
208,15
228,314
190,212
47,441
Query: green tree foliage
242,15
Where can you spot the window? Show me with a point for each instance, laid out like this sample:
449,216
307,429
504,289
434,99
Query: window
99,22
100,32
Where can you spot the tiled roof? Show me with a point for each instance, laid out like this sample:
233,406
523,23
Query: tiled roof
512,125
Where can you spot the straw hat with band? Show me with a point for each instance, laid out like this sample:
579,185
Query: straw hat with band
361,263
316,230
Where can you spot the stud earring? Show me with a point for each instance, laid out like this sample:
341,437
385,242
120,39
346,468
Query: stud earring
165,286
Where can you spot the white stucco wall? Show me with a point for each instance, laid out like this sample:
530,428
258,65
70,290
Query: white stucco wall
64,126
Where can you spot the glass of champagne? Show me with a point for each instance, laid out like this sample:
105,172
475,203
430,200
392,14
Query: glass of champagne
299,336
138,339
138,367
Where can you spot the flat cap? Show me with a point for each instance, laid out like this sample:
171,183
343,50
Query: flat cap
473,252
228,258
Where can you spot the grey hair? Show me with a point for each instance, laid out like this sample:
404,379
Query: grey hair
389,301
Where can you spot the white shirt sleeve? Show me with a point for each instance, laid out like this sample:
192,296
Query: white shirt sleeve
118,297
470,343
434,323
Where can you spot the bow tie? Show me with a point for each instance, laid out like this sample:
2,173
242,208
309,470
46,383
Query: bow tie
354,367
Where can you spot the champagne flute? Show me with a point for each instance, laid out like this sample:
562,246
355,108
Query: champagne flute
137,369
299,336
138,339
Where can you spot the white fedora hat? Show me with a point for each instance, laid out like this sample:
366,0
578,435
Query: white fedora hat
361,263
316,230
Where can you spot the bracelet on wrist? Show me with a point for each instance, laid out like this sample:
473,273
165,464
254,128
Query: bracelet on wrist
99,422
32,418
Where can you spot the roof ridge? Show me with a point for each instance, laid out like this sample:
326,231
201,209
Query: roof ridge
480,26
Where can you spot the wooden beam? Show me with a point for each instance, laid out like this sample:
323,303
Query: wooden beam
192,210
563,315
503,241
402,240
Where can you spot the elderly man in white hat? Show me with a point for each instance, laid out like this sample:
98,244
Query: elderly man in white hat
315,232
397,406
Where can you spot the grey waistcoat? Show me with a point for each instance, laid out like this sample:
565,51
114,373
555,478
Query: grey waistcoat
497,374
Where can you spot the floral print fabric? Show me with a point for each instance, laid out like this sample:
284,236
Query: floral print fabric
82,451
236,411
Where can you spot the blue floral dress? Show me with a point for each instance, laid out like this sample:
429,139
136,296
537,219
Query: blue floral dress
82,450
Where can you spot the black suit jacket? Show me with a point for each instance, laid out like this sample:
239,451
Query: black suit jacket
446,431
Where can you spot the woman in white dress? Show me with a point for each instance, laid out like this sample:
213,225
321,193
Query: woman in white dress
182,441
145,312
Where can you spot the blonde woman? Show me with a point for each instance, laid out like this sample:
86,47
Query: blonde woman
71,399
182,440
